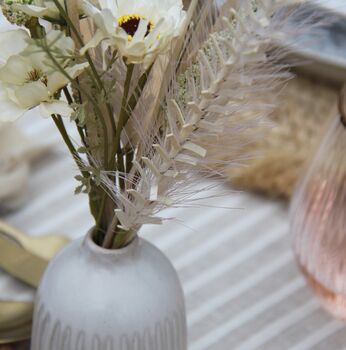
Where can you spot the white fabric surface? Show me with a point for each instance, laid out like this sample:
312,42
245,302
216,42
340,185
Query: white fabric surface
242,287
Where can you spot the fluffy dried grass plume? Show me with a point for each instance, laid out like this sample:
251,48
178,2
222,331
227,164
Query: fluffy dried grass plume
301,118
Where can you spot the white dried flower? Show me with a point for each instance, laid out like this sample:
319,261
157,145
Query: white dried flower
139,30
28,79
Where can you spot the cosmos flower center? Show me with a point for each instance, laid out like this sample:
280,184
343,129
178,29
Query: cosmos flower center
130,23
37,75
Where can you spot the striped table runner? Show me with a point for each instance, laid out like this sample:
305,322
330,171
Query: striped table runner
242,286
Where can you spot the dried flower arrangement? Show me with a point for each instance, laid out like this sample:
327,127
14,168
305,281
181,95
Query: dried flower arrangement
149,87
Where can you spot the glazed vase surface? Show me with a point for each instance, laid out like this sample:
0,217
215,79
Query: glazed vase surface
318,221
96,299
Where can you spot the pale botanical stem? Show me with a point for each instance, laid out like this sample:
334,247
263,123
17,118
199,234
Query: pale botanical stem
89,97
121,124
109,237
128,104
95,76
120,161
61,127
79,128
79,39
72,14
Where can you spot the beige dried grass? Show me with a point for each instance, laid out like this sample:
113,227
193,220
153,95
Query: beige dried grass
303,113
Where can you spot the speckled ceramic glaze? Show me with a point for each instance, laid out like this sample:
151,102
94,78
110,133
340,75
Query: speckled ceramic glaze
96,299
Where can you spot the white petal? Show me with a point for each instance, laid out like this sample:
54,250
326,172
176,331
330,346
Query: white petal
56,81
31,94
88,9
141,30
12,42
111,5
61,41
106,21
37,11
77,69
47,109
98,37
16,70
9,111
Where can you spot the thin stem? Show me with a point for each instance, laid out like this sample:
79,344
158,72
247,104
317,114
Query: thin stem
122,118
111,231
122,123
75,31
36,30
61,127
109,238
111,117
129,106
123,239
84,92
100,84
67,95
110,63
129,159
70,102
101,210
96,75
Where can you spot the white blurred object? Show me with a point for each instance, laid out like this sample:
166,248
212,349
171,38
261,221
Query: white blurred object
332,5
322,52
17,152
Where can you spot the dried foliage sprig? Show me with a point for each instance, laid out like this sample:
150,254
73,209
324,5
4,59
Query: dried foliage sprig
149,88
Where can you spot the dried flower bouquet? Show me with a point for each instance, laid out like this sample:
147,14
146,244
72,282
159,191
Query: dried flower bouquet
149,87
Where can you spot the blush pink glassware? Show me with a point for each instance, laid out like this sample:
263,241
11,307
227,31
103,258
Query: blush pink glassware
318,221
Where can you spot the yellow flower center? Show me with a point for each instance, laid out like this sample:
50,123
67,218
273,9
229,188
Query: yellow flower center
130,24
37,75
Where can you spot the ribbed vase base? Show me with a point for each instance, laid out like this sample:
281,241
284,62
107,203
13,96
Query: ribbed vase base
334,303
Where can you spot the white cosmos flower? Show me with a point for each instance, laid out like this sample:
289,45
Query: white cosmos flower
28,79
139,29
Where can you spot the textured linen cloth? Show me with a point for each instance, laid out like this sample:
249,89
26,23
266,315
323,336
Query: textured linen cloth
242,286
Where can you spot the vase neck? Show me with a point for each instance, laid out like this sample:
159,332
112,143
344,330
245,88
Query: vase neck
93,249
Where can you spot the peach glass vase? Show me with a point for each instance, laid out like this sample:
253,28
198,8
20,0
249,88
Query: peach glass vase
318,221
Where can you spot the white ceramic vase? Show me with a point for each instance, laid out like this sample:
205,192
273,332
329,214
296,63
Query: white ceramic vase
96,299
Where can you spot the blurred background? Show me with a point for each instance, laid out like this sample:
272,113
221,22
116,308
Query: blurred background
242,285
